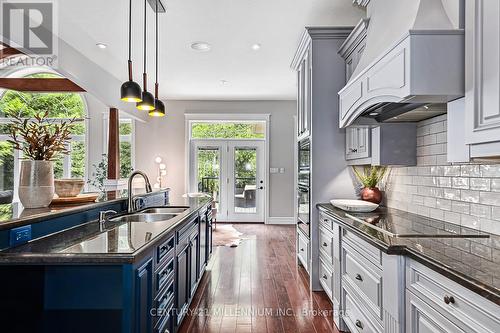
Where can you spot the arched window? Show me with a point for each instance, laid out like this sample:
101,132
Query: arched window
60,106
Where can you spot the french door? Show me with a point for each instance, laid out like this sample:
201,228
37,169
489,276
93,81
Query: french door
233,172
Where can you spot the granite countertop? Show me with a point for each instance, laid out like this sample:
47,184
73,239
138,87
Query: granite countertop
467,256
15,215
86,243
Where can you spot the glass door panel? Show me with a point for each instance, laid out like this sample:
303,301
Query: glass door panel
208,171
245,180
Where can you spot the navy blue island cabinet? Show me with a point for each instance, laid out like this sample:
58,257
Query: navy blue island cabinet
150,292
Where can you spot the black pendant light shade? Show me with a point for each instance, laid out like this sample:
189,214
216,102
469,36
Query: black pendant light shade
159,110
148,100
130,91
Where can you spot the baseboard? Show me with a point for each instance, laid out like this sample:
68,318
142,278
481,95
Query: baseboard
281,220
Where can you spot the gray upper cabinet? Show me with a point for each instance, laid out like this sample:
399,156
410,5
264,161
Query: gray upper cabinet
482,78
386,144
353,47
304,76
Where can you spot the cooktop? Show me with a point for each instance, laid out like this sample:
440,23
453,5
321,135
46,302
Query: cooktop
395,223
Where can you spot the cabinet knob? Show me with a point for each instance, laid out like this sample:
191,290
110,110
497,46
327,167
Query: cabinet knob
359,277
325,277
449,299
325,220
359,324
301,250
325,244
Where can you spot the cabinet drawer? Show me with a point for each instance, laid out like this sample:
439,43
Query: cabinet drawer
165,300
364,278
166,323
326,243
464,308
367,250
355,319
303,250
326,221
420,317
326,278
165,274
165,250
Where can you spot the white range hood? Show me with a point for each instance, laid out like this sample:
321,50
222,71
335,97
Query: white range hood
413,58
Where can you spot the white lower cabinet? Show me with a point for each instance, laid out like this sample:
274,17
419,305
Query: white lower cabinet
421,318
303,250
355,318
436,296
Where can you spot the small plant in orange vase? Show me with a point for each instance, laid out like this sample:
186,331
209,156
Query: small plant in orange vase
370,178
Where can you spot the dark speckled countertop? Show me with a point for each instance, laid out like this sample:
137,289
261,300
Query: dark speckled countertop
86,243
15,215
467,256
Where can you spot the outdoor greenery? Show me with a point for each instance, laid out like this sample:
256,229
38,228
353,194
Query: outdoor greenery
99,174
225,130
371,175
27,105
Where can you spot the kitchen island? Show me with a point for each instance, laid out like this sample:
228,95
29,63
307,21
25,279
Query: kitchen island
107,277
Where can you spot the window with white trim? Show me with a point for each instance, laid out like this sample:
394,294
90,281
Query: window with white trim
127,146
62,107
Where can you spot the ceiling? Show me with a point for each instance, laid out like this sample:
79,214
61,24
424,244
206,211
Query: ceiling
230,26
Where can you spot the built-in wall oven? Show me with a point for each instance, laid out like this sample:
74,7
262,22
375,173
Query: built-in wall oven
303,190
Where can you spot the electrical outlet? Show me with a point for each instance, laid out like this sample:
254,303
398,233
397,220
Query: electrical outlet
20,235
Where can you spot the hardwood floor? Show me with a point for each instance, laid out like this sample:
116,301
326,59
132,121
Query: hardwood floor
258,287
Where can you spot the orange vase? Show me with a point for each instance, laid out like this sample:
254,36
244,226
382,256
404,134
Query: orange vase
371,194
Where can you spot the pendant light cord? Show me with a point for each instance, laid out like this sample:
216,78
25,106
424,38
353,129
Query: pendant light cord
156,85
145,46
130,41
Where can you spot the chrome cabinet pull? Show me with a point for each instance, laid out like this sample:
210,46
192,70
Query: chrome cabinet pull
359,277
359,324
325,244
325,277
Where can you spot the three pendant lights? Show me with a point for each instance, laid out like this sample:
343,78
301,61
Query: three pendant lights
131,90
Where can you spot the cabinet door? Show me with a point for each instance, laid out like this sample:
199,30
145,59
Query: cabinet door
357,142
307,93
144,297
194,256
182,283
300,101
482,78
203,243
421,318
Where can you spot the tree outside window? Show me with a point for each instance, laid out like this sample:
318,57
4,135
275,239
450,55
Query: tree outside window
26,105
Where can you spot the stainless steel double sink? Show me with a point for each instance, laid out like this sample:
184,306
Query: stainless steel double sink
150,215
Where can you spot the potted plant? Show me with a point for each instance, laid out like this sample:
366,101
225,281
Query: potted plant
40,140
369,178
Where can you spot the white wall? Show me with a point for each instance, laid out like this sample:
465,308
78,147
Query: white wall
165,137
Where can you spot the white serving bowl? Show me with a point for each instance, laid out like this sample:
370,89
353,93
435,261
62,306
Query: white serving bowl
358,206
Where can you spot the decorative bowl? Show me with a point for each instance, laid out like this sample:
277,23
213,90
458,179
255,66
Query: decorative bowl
359,206
66,188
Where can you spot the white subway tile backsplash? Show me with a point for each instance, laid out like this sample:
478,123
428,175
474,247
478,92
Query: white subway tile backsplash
460,207
490,198
452,170
482,211
480,184
459,182
469,196
490,171
462,194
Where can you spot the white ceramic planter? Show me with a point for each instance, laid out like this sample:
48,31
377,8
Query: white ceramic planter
36,184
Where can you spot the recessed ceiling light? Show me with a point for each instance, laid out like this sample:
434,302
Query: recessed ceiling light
373,113
101,45
224,82
426,107
201,46
256,46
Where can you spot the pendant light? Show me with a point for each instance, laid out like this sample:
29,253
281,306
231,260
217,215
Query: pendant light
159,110
130,91
148,100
